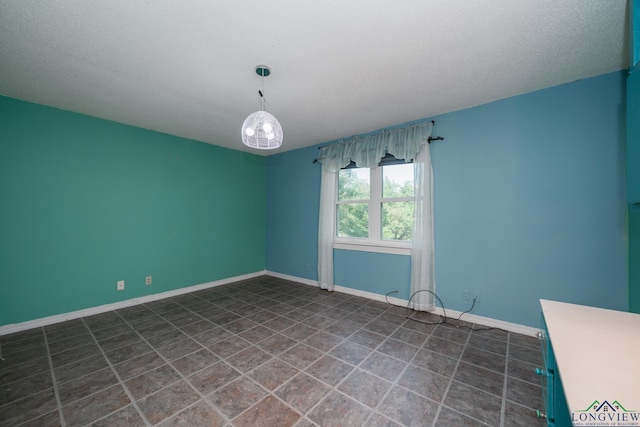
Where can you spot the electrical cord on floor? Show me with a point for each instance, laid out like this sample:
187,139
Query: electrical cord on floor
472,305
443,316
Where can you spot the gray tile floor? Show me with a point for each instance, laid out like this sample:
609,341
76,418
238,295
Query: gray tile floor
267,352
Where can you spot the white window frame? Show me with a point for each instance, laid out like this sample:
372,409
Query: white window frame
375,242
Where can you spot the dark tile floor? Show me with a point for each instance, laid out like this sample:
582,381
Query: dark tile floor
267,352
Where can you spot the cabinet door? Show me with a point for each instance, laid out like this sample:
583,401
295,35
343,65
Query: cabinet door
556,409
633,218
633,187
633,136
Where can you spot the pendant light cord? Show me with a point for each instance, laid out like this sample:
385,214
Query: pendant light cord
261,89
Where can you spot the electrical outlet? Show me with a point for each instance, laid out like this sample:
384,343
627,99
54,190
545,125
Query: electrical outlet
306,267
148,280
465,295
121,285
477,296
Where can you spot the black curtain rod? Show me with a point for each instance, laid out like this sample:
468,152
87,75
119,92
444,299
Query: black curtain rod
437,138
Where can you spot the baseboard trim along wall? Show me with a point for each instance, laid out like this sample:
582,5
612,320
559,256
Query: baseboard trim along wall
479,320
50,320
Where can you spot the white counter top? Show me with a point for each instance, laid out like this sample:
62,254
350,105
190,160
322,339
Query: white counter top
597,353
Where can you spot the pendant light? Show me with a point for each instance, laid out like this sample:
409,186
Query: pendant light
261,130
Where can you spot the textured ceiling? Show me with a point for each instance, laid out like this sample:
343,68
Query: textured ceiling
339,68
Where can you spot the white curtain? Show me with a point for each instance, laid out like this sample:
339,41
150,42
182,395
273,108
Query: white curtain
326,228
422,250
366,151
410,144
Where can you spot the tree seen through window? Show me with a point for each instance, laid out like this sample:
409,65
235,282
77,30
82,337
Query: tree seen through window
376,203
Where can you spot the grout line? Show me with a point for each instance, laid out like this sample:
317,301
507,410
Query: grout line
407,363
270,290
120,381
303,371
245,375
224,360
503,407
53,379
324,353
203,397
396,381
453,374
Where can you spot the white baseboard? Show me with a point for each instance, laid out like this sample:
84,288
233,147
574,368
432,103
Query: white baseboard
473,318
492,323
50,320
292,278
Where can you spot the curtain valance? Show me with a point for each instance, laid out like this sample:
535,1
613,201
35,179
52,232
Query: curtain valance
366,151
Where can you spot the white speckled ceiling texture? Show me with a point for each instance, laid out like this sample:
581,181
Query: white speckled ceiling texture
339,68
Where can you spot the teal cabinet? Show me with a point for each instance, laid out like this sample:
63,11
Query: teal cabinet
633,136
555,411
633,188
633,262
633,161
591,370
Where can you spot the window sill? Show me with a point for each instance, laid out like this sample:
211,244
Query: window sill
379,247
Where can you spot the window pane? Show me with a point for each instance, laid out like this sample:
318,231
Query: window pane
397,220
353,220
353,184
397,180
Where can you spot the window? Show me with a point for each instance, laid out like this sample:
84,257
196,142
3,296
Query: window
375,207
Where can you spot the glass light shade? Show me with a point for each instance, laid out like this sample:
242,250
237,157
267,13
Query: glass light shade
262,131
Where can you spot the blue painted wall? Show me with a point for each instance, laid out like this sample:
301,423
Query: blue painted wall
529,204
383,272
293,192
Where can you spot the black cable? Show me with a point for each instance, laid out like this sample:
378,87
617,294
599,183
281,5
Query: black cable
472,305
443,316
387,295
443,319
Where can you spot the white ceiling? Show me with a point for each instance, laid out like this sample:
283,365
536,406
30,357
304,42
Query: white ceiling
339,68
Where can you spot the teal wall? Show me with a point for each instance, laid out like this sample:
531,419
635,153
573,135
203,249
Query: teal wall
529,204
86,202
